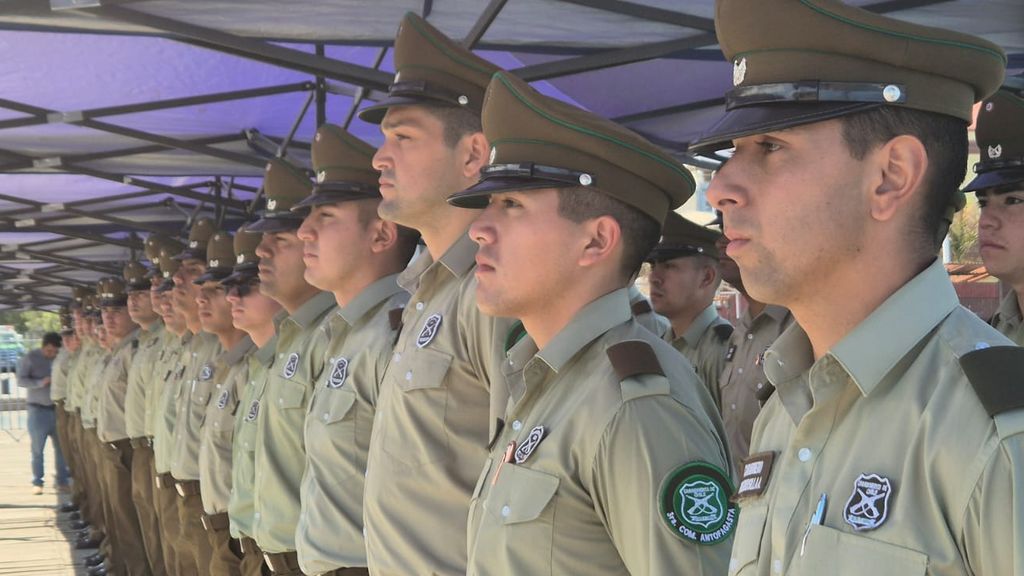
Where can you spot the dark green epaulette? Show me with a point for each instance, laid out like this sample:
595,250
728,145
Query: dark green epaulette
515,334
634,358
997,376
723,331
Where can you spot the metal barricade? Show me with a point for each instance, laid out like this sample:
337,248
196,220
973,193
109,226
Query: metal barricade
12,407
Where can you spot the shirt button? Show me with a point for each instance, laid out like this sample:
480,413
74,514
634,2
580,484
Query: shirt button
777,566
759,386
280,401
505,511
364,532
733,406
408,375
396,357
750,336
740,370
419,305
256,515
516,425
804,454
326,416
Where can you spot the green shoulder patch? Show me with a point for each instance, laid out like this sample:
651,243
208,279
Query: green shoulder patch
695,502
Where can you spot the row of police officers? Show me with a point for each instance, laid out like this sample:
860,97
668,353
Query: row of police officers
308,395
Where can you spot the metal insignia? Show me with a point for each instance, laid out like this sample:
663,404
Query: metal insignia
494,154
254,410
206,373
530,444
430,328
271,204
739,71
995,151
868,506
240,258
338,373
291,365
222,400
321,176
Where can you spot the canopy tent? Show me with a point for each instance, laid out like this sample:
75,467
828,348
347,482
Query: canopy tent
119,118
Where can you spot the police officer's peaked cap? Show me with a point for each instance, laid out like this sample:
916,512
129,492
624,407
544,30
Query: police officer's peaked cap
136,276
112,292
220,258
803,61
79,295
154,244
284,186
1000,136
168,267
540,142
681,237
431,68
200,233
343,167
246,262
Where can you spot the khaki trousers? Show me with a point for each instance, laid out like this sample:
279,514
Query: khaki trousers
192,535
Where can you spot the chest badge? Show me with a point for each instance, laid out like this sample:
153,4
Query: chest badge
254,411
338,373
206,373
530,444
222,400
868,506
430,328
291,365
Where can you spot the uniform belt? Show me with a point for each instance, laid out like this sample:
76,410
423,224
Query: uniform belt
213,522
121,444
346,572
142,442
164,481
282,561
248,545
187,488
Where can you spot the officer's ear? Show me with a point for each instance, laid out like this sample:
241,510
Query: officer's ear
604,237
474,152
383,235
897,176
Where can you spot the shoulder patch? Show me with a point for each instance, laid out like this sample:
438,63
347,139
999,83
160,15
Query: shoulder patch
723,331
515,334
640,307
696,504
395,318
632,358
996,375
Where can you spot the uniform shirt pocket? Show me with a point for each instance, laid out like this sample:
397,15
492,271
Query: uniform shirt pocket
519,515
521,494
416,432
747,544
337,405
291,394
829,550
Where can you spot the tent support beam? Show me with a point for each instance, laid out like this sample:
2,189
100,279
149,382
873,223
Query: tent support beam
483,23
649,13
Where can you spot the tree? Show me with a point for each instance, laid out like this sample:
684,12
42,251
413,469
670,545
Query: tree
963,233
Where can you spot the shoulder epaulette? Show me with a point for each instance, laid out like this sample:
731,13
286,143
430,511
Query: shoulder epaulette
640,307
997,375
515,334
633,358
723,331
395,318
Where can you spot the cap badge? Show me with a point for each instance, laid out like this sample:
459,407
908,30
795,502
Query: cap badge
695,503
739,71
868,506
321,176
193,243
240,258
317,137
271,204
995,151
214,263
291,365
494,154
430,328
338,373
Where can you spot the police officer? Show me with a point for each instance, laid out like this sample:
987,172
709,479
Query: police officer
423,458
194,388
279,457
999,186
353,253
891,445
684,279
141,379
256,314
584,477
230,370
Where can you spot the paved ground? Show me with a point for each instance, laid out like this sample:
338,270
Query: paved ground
33,536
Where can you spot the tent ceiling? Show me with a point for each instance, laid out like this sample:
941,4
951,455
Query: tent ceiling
123,117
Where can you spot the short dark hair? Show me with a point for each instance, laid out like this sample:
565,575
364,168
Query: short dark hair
945,141
52,339
640,232
457,122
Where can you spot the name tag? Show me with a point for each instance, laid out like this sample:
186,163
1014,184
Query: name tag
755,472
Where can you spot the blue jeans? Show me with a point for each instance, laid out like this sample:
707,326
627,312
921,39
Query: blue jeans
42,424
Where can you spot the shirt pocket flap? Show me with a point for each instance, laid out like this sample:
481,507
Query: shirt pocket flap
527,493
291,395
339,404
747,543
426,369
828,548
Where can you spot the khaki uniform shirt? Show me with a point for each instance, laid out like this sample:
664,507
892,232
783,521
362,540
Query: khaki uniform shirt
93,387
917,477
1008,319
338,426
704,344
141,375
743,378
190,407
113,385
175,365
166,350
593,457
644,312
434,419
79,373
230,373
243,453
59,374
280,453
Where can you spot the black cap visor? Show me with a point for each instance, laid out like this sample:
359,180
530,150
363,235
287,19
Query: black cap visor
332,193
241,275
996,179
276,222
212,275
512,177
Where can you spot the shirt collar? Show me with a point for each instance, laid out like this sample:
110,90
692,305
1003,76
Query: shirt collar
592,321
878,343
265,354
1009,310
312,309
696,328
370,297
236,352
459,259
